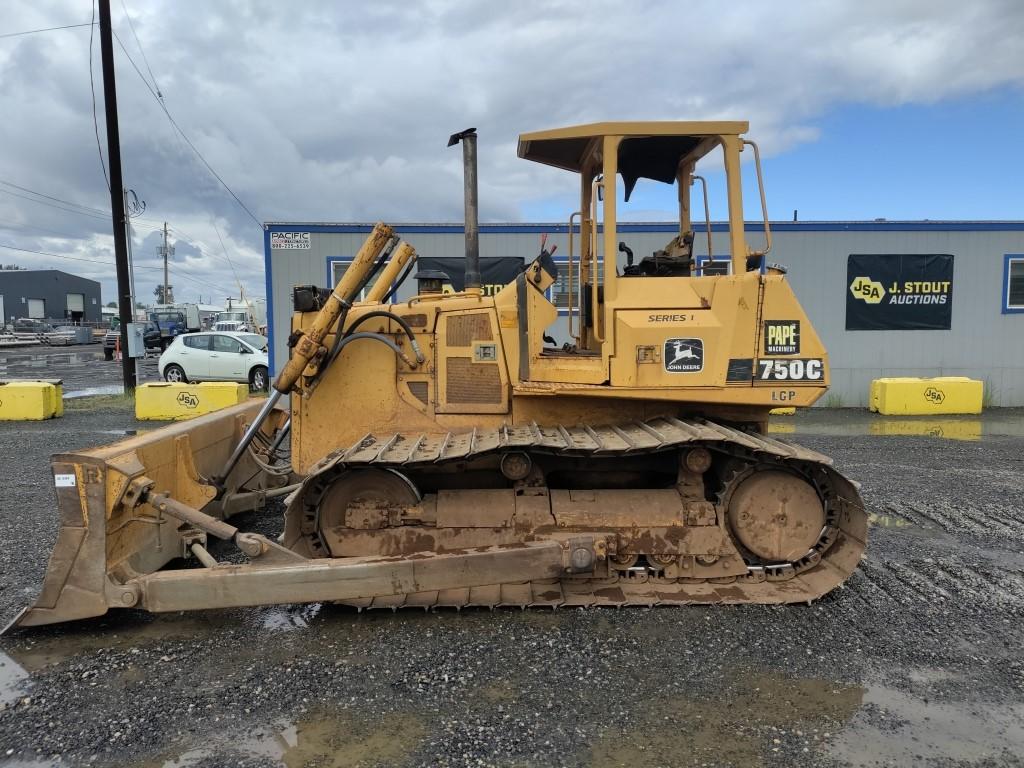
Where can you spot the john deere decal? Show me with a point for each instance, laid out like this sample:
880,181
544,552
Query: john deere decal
684,355
899,292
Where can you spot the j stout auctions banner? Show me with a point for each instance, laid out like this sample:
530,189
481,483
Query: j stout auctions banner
908,292
495,273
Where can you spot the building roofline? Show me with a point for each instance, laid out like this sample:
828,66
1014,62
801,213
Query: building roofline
920,225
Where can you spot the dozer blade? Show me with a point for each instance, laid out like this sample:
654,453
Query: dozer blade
106,536
128,509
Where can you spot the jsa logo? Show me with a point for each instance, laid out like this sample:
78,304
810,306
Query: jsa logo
868,290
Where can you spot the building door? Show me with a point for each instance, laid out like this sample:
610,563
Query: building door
37,309
76,306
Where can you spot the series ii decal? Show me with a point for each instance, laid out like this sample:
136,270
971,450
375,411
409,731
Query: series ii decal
684,355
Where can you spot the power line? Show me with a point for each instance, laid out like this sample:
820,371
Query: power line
20,228
233,272
51,197
163,106
52,205
49,29
92,87
203,283
144,59
55,255
96,213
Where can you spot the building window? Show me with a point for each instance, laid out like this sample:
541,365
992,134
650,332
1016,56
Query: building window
336,266
1013,283
558,293
713,265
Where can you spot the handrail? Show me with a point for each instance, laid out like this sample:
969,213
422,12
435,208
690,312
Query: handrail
764,203
594,309
707,217
569,271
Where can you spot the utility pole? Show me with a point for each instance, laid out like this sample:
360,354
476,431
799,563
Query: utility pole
128,241
166,300
166,251
124,298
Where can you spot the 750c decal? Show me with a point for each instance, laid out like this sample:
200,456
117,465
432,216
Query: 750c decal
812,369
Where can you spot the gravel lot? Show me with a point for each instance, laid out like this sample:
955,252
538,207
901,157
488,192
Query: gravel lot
916,661
82,367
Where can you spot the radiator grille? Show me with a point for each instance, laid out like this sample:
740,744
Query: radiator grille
472,383
463,330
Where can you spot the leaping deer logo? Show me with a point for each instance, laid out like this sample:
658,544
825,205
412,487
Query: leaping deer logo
682,351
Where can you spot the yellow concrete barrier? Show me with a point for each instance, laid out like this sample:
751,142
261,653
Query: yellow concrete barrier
782,411
160,401
926,397
31,400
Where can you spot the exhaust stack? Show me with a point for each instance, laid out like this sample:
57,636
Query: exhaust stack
471,282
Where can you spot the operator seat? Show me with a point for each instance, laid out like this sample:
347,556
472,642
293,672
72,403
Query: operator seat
674,260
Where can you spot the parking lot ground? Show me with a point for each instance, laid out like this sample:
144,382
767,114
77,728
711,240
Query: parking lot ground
82,367
916,661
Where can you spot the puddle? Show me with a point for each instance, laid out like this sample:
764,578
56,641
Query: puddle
889,521
946,429
287,618
733,730
338,740
110,389
12,680
40,649
895,728
998,422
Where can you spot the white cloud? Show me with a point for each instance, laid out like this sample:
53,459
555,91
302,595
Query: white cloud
340,111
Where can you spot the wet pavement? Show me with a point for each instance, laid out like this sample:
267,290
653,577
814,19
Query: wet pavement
917,661
82,368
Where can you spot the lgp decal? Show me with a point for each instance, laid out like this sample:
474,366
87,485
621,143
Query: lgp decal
684,355
188,399
782,337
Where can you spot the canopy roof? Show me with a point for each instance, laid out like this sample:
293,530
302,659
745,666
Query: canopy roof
649,150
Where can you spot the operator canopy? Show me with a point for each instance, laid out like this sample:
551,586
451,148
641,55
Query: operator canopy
649,150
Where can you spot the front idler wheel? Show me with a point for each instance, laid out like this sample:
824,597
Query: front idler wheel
776,515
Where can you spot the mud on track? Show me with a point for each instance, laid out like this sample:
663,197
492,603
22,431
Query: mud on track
916,660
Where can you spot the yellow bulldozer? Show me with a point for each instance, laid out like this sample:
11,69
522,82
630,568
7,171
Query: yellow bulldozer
442,451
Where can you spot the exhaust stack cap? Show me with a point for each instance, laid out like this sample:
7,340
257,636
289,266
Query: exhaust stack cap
455,138
431,281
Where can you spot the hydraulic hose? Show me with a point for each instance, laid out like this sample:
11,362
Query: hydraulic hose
398,283
391,316
336,347
346,340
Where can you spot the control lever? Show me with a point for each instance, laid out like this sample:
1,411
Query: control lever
623,248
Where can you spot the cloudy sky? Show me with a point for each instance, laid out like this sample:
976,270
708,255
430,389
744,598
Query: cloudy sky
340,111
